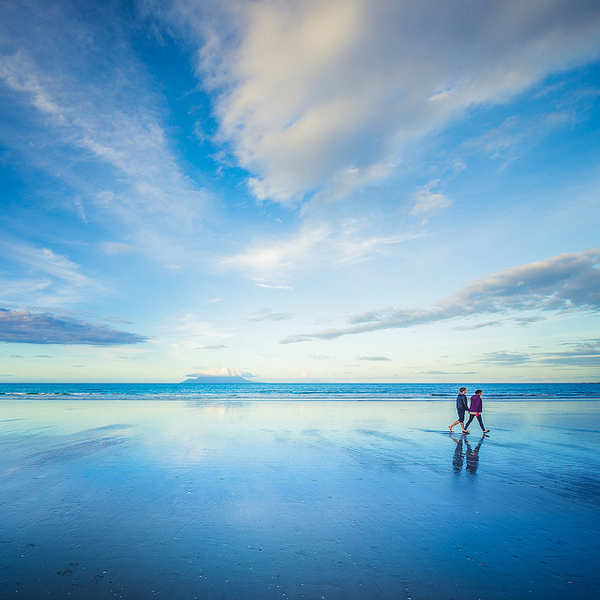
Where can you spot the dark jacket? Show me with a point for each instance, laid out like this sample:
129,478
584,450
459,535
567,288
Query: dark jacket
476,404
461,402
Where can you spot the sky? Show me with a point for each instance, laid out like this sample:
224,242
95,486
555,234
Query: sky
300,190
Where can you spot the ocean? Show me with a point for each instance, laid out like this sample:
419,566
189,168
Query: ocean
505,392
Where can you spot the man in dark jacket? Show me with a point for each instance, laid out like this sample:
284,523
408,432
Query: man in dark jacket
461,408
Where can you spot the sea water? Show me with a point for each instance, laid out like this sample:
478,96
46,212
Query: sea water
301,391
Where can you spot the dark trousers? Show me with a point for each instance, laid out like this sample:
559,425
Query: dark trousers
478,418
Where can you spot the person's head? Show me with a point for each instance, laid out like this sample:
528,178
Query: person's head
462,390
478,392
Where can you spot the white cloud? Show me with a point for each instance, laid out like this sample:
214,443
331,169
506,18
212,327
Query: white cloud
309,91
568,282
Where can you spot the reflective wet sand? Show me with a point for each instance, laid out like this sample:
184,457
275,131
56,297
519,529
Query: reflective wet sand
317,500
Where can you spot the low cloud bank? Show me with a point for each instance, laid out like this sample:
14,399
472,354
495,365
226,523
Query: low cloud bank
21,326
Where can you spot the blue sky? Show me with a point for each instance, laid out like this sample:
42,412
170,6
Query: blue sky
331,190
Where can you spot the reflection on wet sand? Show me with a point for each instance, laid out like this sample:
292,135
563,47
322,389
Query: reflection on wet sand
472,455
458,457
272,500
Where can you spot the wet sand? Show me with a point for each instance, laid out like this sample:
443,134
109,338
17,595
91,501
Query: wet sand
317,500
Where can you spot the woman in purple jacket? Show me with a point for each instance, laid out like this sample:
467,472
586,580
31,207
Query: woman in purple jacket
475,410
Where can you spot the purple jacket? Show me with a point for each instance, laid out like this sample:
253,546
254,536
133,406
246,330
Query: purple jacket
476,404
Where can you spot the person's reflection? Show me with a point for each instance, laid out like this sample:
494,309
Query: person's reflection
472,455
457,459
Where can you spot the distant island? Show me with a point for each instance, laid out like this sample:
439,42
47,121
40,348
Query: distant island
217,379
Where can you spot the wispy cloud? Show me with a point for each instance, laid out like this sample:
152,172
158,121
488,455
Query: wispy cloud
427,201
277,255
20,326
104,133
308,92
39,276
312,246
522,321
514,130
568,282
374,358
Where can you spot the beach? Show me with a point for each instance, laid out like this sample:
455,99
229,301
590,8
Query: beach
289,499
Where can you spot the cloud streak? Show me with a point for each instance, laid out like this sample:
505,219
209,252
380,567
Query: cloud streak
266,314
567,282
505,358
583,353
20,326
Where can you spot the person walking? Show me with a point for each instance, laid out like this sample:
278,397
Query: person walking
461,407
475,411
